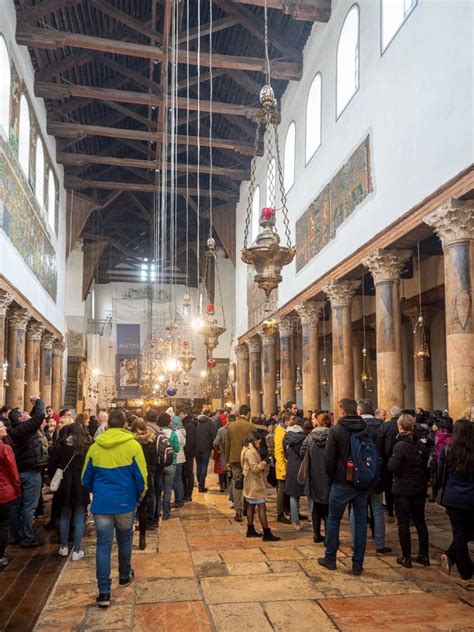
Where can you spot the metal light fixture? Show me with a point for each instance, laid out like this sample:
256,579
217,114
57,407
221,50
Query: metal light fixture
421,346
366,375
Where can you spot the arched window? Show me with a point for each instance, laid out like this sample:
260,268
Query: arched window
255,212
313,117
348,59
5,88
271,183
24,136
394,14
289,165
39,172
51,200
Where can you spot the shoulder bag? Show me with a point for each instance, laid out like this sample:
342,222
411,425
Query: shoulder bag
58,476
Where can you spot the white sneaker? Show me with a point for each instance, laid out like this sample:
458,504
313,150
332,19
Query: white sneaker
64,551
76,556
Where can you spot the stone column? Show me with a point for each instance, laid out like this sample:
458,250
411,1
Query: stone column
17,321
57,378
255,361
242,352
309,314
287,362
5,299
269,372
385,267
34,331
46,367
357,346
454,224
340,294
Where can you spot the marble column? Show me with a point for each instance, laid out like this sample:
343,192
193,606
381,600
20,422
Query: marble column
57,378
34,331
386,267
340,295
422,366
255,361
309,313
287,361
269,373
357,346
46,367
17,321
5,299
454,224
242,352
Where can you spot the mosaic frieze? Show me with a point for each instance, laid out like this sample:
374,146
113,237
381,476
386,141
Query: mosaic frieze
333,205
256,300
20,219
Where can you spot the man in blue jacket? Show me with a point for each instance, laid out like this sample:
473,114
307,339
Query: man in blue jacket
115,472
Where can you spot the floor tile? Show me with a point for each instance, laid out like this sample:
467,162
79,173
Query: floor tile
171,617
163,590
298,616
237,617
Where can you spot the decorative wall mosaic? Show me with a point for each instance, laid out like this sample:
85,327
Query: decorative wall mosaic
347,189
256,300
20,219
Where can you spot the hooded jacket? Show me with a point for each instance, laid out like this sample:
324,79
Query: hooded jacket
458,486
115,472
189,425
292,442
10,485
409,464
376,428
280,457
29,443
316,442
338,448
205,434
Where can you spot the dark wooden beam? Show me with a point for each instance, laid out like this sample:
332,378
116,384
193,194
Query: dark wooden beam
125,71
217,25
49,39
30,15
310,10
124,18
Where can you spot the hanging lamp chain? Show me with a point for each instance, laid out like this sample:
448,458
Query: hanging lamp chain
253,168
267,56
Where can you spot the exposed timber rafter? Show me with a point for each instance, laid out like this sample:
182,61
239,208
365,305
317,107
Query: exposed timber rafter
310,10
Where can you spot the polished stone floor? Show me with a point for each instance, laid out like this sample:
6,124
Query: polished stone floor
206,575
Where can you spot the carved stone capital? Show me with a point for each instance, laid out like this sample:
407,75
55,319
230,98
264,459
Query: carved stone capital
453,221
18,317
35,330
267,337
5,299
47,340
340,293
309,312
254,344
286,327
386,265
59,348
242,352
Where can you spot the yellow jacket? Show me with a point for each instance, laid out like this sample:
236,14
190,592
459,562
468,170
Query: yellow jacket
280,457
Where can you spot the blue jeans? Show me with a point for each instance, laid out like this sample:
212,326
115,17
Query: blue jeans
23,508
178,485
340,496
202,462
105,525
164,480
78,525
376,502
294,509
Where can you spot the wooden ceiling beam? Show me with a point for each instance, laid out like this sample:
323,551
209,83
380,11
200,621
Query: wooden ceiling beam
125,71
30,15
80,160
51,90
72,182
49,39
308,10
126,19
74,60
128,112
217,25
73,130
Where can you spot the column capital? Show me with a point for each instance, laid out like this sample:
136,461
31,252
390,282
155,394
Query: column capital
386,265
242,351
254,344
5,299
34,330
286,327
18,317
47,340
267,337
340,293
453,221
59,347
309,312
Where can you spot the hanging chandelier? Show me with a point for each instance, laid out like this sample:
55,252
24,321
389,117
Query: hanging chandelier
267,255
366,376
421,346
324,382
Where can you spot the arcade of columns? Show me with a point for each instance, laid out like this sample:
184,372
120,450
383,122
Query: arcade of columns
34,356
257,355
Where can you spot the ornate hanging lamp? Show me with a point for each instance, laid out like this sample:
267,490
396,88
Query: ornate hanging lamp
267,255
366,375
421,346
324,370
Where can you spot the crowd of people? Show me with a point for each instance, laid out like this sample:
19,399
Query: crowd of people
138,469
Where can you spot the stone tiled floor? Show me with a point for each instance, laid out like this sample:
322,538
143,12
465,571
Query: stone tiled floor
208,576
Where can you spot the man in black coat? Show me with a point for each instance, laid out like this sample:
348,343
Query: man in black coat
189,424
205,435
343,491
31,452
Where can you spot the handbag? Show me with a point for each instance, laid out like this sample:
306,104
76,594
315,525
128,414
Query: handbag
303,471
58,476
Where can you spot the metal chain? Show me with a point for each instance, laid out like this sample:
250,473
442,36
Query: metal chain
267,57
286,220
253,167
